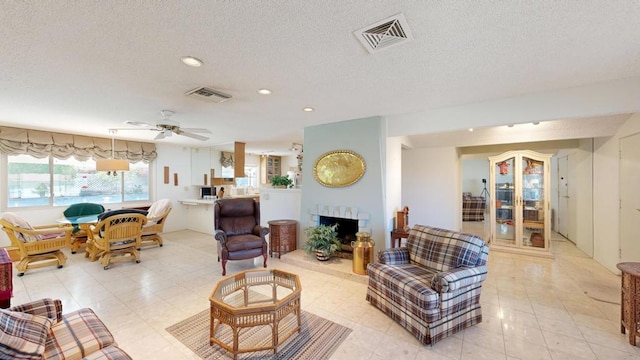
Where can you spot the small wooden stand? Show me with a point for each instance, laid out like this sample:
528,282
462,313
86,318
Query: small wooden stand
402,227
630,300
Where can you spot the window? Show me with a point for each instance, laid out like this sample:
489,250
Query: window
250,177
48,181
28,181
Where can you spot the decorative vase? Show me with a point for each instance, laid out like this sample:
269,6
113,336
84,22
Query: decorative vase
321,255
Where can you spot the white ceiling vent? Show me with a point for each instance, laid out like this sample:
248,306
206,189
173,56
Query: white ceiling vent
385,33
208,94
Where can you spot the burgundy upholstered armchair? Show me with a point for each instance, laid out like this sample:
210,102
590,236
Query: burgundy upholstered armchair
238,230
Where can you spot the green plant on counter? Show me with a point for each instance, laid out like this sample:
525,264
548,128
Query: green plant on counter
281,180
323,238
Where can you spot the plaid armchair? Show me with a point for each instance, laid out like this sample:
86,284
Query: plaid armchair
39,330
473,207
431,287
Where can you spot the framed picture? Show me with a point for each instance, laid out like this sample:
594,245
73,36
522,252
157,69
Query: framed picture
339,168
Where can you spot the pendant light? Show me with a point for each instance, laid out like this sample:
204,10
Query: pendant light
113,164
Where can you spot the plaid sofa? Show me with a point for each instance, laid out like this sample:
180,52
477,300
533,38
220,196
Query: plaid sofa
473,207
431,287
38,330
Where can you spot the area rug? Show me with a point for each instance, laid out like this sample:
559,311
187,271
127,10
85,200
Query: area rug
318,338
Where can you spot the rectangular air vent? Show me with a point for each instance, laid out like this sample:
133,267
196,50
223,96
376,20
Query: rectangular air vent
208,94
385,33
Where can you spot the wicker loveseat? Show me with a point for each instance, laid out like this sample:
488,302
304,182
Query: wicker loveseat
38,330
431,287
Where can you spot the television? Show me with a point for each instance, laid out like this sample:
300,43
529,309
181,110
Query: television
207,192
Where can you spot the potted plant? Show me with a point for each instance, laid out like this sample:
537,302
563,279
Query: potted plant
281,181
323,240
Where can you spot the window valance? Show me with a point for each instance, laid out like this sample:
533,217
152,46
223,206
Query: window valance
40,144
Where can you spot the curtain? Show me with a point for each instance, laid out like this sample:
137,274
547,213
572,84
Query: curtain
226,159
41,144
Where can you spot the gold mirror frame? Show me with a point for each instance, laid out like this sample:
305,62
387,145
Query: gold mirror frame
339,168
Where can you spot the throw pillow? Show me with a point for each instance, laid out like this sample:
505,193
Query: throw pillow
17,221
22,336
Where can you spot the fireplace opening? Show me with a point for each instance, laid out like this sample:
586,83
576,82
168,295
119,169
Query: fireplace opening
347,229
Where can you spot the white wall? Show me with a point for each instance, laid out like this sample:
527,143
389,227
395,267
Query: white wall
606,192
367,137
393,188
473,171
431,187
177,158
581,195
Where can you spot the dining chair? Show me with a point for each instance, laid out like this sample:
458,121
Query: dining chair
116,237
39,246
156,217
79,235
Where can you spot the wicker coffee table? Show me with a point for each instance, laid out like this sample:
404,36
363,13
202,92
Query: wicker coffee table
254,298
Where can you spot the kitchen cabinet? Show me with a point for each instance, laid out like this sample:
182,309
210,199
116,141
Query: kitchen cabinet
520,210
271,165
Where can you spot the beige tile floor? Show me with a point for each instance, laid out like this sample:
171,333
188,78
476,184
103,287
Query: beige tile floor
534,308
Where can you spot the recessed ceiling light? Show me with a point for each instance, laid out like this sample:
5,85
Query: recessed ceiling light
308,109
470,129
191,61
264,92
536,123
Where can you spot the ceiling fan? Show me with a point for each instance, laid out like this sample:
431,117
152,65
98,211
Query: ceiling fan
168,127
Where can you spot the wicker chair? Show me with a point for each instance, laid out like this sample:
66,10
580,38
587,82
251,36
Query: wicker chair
156,217
79,236
39,246
116,237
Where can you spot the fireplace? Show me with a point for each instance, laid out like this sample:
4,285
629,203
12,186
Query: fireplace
349,219
347,229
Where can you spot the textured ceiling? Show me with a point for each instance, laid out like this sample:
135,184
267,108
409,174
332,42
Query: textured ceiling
87,66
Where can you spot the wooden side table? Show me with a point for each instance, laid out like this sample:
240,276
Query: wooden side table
630,299
398,234
283,236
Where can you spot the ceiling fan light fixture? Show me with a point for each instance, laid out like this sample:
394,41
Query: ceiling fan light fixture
191,61
112,165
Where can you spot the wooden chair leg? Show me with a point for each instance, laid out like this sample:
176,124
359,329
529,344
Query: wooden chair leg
224,267
265,259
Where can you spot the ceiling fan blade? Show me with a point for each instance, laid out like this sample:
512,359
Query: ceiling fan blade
196,130
192,135
160,136
137,123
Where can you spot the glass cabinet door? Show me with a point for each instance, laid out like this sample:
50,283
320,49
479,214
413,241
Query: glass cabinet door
520,202
505,202
533,216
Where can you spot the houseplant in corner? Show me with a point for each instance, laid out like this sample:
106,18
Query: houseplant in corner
281,181
321,240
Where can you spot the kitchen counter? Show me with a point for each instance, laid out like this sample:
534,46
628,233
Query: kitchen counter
195,202
200,211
